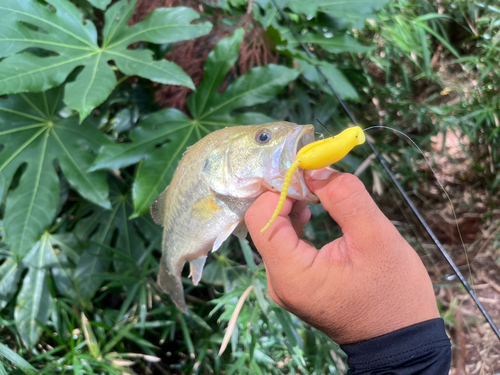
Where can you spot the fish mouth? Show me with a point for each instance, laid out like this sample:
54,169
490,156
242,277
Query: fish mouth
298,188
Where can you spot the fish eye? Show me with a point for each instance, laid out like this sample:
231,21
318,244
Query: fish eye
263,136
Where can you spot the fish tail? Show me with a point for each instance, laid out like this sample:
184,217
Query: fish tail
171,285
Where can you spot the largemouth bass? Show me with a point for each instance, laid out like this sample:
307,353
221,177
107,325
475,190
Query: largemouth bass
215,183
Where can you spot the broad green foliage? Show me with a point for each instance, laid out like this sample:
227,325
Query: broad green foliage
29,24
34,134
160,139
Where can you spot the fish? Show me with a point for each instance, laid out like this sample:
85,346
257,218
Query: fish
215,183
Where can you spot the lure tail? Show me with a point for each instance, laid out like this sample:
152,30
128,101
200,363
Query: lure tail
284,191
171,285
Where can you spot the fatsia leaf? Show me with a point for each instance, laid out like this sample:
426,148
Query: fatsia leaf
73,41
351,13
160,139
32,133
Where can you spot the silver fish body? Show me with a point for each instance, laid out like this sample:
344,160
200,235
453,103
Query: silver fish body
215,183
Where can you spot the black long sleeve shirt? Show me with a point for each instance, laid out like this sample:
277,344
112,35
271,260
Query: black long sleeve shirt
422,348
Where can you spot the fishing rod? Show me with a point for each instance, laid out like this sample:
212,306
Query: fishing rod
393,177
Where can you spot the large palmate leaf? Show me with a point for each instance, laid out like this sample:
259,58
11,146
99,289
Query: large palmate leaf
60,28
160,138
113,239
32,133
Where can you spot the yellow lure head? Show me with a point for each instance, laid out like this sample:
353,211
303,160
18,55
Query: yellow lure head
318,155
325,152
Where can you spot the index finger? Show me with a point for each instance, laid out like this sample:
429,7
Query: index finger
348,202
279,246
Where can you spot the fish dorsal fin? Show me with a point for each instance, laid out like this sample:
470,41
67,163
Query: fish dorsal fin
158,208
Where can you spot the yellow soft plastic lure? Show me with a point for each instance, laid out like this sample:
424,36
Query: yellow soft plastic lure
318,155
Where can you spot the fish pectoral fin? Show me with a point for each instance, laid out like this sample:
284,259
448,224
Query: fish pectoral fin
205,208
196,267
158,208
171,285
241,230
224,235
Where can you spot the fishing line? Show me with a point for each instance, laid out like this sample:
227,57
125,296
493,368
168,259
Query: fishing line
440,185
324,127
392,176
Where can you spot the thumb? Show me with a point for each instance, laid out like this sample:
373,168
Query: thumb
348,202
279,246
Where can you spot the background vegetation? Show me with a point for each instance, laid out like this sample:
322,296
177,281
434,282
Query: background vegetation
100,99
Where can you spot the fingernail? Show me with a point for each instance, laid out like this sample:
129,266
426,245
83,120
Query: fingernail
321,174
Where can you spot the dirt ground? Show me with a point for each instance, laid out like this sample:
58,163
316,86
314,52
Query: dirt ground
476,349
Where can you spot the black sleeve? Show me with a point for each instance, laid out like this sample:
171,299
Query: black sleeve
422,348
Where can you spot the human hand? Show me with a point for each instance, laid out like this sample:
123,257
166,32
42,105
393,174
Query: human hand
365,284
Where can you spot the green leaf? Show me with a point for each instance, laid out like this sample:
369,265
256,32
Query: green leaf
100,4
34,300
33,133
31,24
17,360
61,248
10,273
160,139
341,85
336,44
308,7
88,332
351,14
248,254
268,14
257,86
217,65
